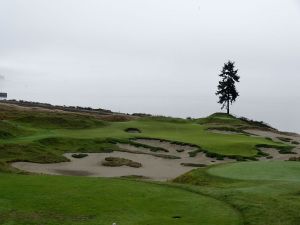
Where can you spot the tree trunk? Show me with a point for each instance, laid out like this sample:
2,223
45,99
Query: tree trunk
228,107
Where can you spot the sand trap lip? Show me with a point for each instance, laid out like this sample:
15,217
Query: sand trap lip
224,132
274,152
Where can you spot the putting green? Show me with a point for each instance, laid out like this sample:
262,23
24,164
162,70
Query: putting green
274,170
77,200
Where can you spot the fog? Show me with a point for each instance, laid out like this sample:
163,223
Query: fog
153,56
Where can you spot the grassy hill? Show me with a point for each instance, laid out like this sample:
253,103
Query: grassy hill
244,193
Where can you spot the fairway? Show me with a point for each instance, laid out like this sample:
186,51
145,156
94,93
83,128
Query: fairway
73,200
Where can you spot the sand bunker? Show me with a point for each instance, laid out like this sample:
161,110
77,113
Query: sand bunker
154,166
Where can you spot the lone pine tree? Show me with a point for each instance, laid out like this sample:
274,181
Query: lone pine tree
226,89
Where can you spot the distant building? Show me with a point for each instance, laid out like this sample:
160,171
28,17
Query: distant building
3,95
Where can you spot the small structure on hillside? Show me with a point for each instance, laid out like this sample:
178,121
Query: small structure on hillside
3,95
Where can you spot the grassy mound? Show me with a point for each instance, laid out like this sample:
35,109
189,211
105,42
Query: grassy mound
76,200
117,162
225,122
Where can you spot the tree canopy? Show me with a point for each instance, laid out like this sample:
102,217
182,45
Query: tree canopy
226,89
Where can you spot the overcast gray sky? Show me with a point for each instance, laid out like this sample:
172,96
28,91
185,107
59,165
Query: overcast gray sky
154,56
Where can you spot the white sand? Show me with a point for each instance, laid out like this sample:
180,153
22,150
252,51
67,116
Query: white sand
153,167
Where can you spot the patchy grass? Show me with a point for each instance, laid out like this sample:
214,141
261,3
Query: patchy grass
117,162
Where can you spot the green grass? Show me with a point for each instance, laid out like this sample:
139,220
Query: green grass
75,200
265,193
271,170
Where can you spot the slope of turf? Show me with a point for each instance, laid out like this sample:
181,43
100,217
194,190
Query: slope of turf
74,200
265,193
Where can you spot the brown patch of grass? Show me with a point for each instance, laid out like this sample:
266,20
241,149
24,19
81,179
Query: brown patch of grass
294,159
117,162
193,164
